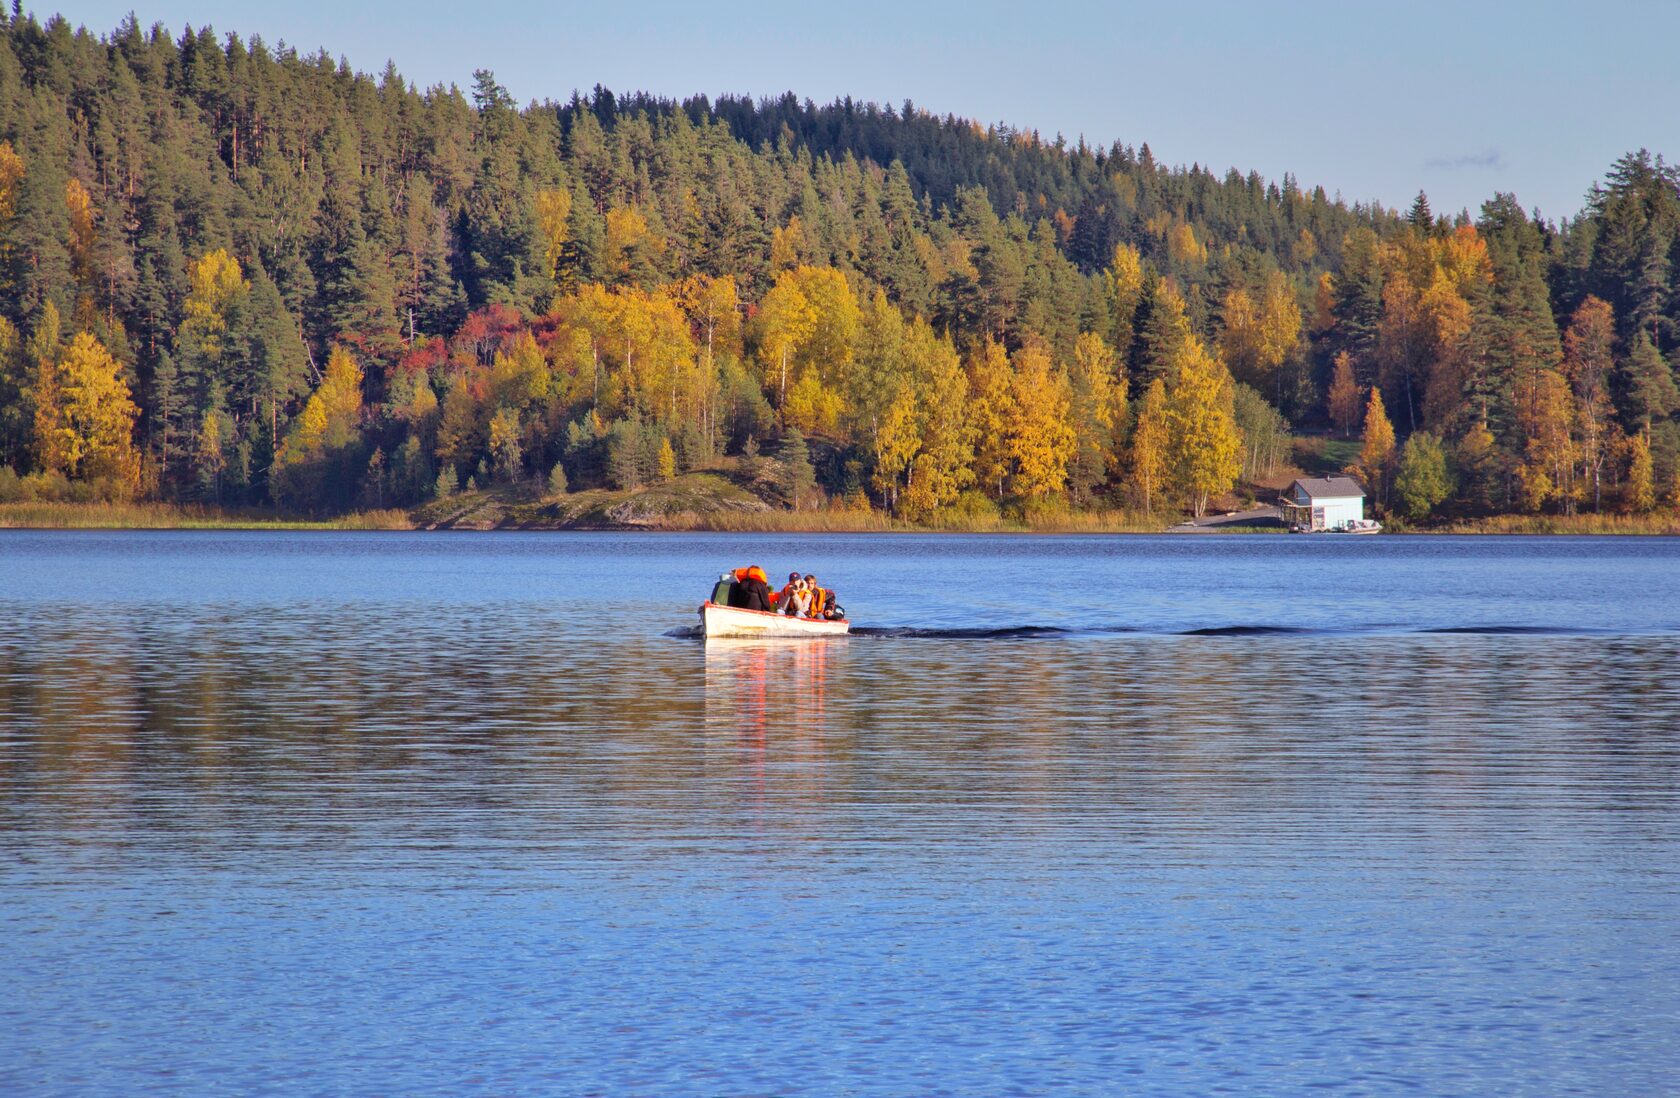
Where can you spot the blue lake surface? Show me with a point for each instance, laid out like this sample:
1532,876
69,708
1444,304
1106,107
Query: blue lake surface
310,813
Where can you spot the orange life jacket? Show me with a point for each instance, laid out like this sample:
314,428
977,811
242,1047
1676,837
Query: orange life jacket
742,575
819,601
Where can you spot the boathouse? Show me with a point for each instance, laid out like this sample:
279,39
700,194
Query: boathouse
1322,503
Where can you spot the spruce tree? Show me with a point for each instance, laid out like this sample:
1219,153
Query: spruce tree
795,473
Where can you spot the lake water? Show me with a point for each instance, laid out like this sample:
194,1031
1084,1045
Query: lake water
425,813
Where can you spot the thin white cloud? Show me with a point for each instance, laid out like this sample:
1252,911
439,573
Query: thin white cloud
1488,159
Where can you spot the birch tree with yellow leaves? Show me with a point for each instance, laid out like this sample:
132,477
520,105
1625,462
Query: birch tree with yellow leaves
991,397
784,321
320,445
551,211
1204,446
1259,336
1546,420
85,430
1147,456
1041,439
943,465
1098,413
84,268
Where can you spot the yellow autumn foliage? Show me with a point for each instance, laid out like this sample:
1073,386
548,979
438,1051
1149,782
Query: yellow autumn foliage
1204,445
993,411
1040,438
216,285
82,232
1376,449
329,417
1148,454
551,209
86,429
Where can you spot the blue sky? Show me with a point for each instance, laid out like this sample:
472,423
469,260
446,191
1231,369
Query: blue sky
1374,102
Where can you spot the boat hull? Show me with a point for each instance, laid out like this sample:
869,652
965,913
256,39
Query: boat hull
730,621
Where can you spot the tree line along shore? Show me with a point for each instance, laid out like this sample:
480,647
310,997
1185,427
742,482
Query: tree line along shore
241,284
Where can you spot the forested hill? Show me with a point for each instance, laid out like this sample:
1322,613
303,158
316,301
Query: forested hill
243,274
1095,198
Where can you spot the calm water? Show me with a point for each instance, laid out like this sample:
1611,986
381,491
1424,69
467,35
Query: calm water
403,814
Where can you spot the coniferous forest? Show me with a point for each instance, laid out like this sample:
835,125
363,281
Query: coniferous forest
252,277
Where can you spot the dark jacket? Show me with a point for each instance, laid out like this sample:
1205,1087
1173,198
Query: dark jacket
755,593
751,593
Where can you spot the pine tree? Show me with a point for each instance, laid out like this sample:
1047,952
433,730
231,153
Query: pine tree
1165,332
448,482
794,460
1357,307
1646,386
15,416
625,464
1421,218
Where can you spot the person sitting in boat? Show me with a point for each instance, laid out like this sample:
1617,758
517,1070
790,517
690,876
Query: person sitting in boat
797,603
824,607
751,591
781,597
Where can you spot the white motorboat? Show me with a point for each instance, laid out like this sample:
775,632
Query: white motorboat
732,621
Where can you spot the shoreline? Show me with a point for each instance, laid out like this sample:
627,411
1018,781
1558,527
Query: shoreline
165,516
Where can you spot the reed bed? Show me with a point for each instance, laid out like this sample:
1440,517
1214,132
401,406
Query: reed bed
853,521
1654,524
170,516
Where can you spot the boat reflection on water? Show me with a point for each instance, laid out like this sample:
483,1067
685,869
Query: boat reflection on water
766,724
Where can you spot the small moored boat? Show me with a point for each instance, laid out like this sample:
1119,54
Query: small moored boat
732,621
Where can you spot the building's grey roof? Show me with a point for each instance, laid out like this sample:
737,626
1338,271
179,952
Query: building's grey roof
1327,487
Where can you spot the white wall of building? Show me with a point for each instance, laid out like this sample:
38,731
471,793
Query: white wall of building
1339,510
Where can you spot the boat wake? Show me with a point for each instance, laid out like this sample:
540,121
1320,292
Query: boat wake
1250,631
1522,630
1004,632
1052,632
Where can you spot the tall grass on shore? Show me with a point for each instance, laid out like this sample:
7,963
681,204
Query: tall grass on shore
852,521
1667,524
170,516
